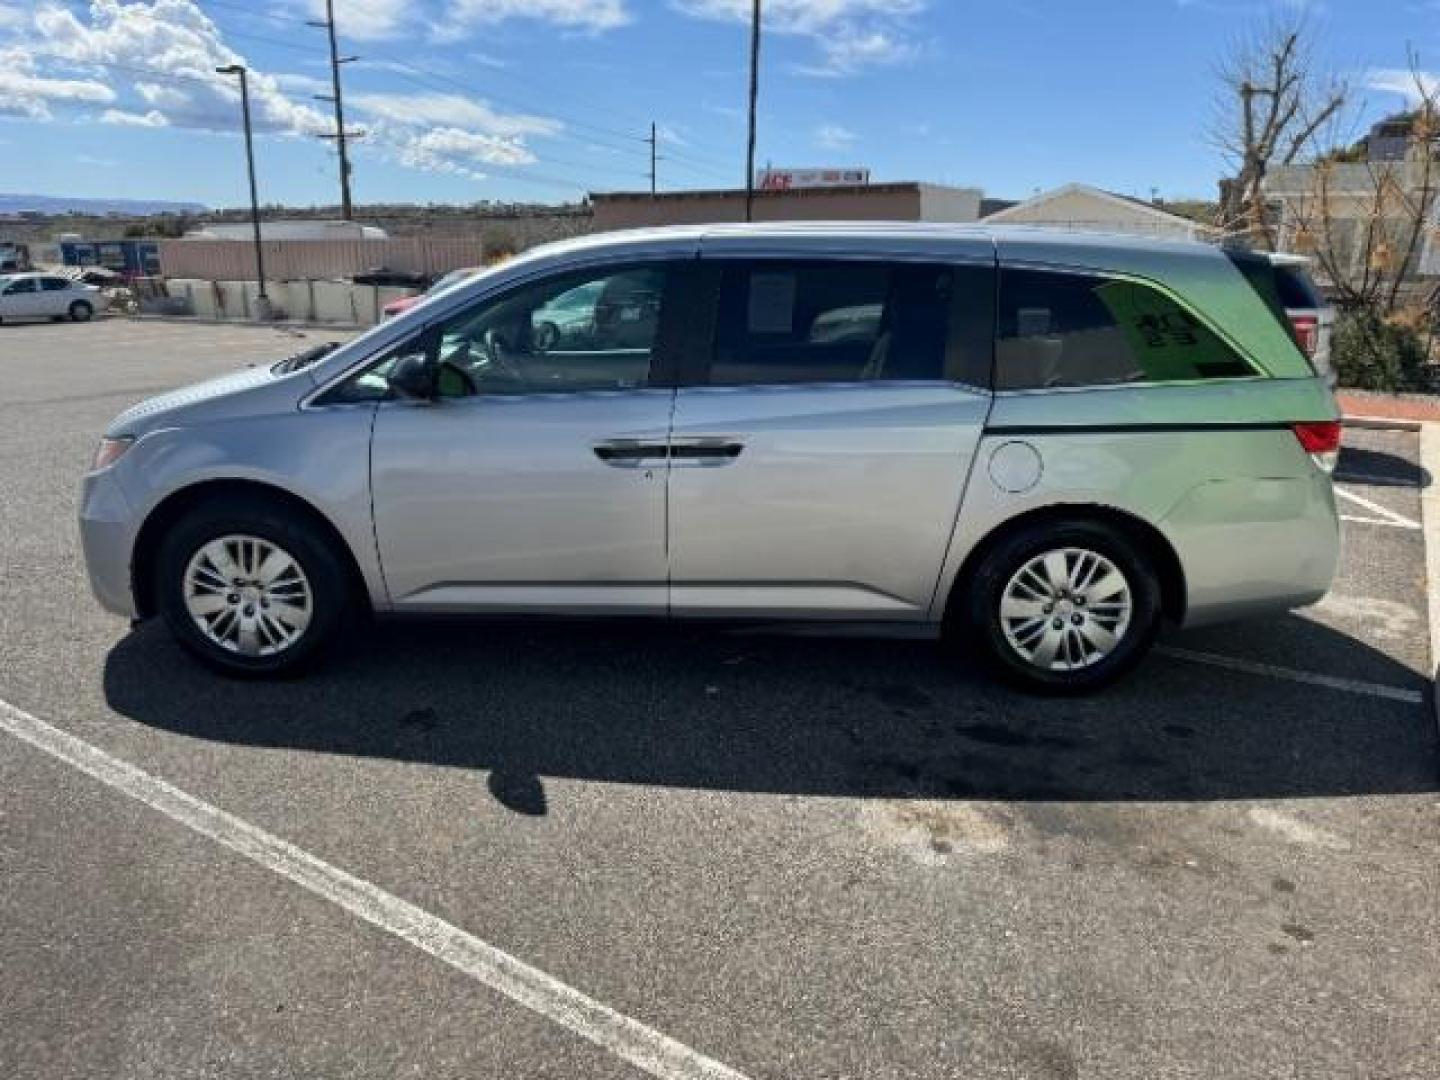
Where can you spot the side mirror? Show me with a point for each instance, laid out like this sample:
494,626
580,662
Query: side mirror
413,378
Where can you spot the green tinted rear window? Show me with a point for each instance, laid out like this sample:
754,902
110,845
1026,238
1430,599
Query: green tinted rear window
1062,329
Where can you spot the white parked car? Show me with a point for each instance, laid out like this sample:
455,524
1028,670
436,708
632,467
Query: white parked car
48,296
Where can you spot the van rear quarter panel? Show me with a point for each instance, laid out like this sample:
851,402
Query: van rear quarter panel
1213,467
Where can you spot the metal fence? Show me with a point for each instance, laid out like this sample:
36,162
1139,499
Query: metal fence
298,260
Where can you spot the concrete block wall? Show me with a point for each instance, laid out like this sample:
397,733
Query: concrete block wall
302,301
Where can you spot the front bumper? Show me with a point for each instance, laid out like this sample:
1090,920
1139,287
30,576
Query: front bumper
106,536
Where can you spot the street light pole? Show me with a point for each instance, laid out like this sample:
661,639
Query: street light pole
238,69
754,93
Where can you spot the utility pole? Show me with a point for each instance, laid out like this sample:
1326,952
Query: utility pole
262,306
340,135
651,141
754,93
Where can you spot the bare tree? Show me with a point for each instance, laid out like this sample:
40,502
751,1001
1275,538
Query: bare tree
1365,221
1270,106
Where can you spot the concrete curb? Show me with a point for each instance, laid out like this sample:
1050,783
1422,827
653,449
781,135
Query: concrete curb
1382,423
1430,526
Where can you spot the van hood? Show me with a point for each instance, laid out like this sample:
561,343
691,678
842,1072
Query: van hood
228,395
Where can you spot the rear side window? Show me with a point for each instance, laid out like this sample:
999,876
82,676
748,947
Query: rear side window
1059,329
54,284
1295,287
811,322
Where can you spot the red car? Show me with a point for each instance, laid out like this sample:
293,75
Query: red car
405,303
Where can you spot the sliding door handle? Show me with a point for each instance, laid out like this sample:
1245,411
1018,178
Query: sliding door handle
705,451
630,453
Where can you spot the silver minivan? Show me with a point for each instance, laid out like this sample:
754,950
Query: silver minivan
1043,443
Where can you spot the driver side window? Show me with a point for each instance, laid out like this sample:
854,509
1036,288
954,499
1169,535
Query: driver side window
588,330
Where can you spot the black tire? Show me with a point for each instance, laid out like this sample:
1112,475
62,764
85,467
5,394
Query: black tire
81,310
980,607
332,599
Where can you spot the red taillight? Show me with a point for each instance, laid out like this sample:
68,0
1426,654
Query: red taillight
1318,436
1321,440
1307,332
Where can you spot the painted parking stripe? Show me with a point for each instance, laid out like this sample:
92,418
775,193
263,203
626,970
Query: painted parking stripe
1378,521
1312,678
1376,508
628,1039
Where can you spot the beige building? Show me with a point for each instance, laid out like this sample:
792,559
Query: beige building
1091,209
859,202
1356,211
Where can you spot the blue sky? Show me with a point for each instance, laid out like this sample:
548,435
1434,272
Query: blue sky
542,100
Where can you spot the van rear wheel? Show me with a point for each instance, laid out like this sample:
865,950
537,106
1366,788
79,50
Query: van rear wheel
1064,607
81,310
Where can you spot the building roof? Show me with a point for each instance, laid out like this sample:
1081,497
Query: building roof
1145,208
899,187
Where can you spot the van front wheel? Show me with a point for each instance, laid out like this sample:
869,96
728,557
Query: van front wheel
251,588
1065,607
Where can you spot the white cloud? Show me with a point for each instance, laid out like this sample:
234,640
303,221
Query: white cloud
151,64
154,118
173,48
593,15
12,17
834,136
456,151
368,20
23,92
298,83
87,159
1402,82
852,35
851,50
453,110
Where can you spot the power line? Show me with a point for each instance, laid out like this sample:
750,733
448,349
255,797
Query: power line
439,80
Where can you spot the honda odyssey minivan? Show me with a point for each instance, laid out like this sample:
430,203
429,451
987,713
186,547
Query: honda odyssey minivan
1045,443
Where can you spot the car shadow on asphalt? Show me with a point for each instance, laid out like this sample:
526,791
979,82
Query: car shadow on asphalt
700,708
1382,465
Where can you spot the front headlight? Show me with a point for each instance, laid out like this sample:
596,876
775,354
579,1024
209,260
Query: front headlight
110,451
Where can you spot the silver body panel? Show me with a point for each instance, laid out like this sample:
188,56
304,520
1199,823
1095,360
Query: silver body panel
845,501
501,504
840,505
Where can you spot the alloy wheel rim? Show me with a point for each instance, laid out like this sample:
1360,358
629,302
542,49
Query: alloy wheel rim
1066,609
248,595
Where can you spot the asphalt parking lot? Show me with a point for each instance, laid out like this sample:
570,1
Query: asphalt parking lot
793,856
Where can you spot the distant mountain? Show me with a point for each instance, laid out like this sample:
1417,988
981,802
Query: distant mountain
66,204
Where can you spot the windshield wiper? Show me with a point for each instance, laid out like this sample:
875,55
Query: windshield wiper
305,358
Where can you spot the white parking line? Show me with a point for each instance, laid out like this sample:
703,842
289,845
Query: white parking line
641,1046
1378,521
1273,671
1376,508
